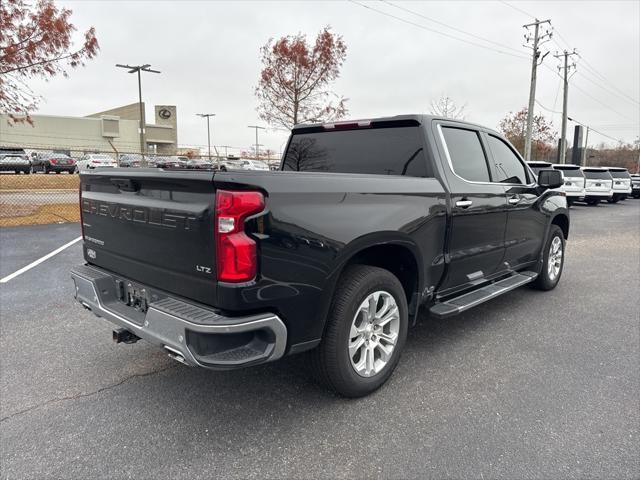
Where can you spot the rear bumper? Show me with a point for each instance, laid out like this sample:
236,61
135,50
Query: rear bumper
61,168
192,334
10,167
577,193
598,194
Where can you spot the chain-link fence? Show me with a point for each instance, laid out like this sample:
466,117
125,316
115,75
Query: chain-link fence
40,186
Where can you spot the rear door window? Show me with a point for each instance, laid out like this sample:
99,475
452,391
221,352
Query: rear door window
381,151
468,159
508,167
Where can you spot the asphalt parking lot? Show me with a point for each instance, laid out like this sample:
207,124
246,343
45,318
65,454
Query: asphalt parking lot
529,385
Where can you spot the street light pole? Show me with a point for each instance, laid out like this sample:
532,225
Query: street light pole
137,69
257,144
207,116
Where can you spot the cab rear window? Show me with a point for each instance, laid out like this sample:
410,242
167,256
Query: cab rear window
381,151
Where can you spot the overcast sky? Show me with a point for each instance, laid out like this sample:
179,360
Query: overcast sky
208,53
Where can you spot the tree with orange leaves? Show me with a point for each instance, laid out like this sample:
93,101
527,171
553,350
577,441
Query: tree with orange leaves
295,78
35,42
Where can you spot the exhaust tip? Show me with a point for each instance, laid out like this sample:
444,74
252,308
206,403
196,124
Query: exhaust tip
176,355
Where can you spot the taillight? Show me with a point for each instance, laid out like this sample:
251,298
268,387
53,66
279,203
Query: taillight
236,252
53,160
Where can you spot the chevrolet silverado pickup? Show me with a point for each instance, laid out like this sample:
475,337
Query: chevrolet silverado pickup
366,224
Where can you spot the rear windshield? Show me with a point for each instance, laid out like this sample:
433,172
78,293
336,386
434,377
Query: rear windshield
597,174
382,151
537,167
620,174
570,171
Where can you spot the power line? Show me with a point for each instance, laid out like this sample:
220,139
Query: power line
587,65
423,27
591,96
517,9
451,27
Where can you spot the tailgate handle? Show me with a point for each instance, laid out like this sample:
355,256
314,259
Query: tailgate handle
125,184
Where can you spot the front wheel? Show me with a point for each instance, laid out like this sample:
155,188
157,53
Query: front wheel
552,262
365,333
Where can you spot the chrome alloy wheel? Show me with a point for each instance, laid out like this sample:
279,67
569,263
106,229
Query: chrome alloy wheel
554,264
374,333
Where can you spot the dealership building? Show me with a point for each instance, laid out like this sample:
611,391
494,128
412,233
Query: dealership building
112,131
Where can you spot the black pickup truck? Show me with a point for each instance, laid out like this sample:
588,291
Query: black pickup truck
366,224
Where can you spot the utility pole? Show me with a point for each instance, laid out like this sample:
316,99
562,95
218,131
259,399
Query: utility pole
583,160
137,69
257,144
535,62
562,153
207,116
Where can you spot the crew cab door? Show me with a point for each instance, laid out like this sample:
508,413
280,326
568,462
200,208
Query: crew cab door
478,208
526,223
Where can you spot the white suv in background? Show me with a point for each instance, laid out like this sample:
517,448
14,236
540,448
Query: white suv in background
95,160
598,185
621,183
574,181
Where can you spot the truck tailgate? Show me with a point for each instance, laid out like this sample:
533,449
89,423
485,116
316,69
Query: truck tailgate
152,226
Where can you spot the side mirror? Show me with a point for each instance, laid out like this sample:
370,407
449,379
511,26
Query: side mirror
550,178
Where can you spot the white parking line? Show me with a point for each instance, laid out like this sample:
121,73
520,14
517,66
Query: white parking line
39,261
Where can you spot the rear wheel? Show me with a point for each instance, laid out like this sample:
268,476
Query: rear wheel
552,262
593,201
365,333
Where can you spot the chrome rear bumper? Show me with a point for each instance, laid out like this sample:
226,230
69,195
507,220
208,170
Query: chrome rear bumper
193,334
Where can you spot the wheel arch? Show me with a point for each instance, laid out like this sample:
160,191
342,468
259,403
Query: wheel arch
392,251
562,221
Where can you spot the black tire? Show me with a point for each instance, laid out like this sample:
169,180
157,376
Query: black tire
570,202
593,201
330,361
57,172
45,169
544,281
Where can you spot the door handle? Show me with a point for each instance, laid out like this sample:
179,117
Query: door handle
464,203
514,200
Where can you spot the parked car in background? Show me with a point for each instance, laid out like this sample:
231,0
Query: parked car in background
53,162
130,160
258,165
169,162
621,183
95,160
635,185
574,181
244,164
13,159
200,164
233,164
537,166
598,185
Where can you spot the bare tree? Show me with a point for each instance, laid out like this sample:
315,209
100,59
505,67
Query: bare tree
446,107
